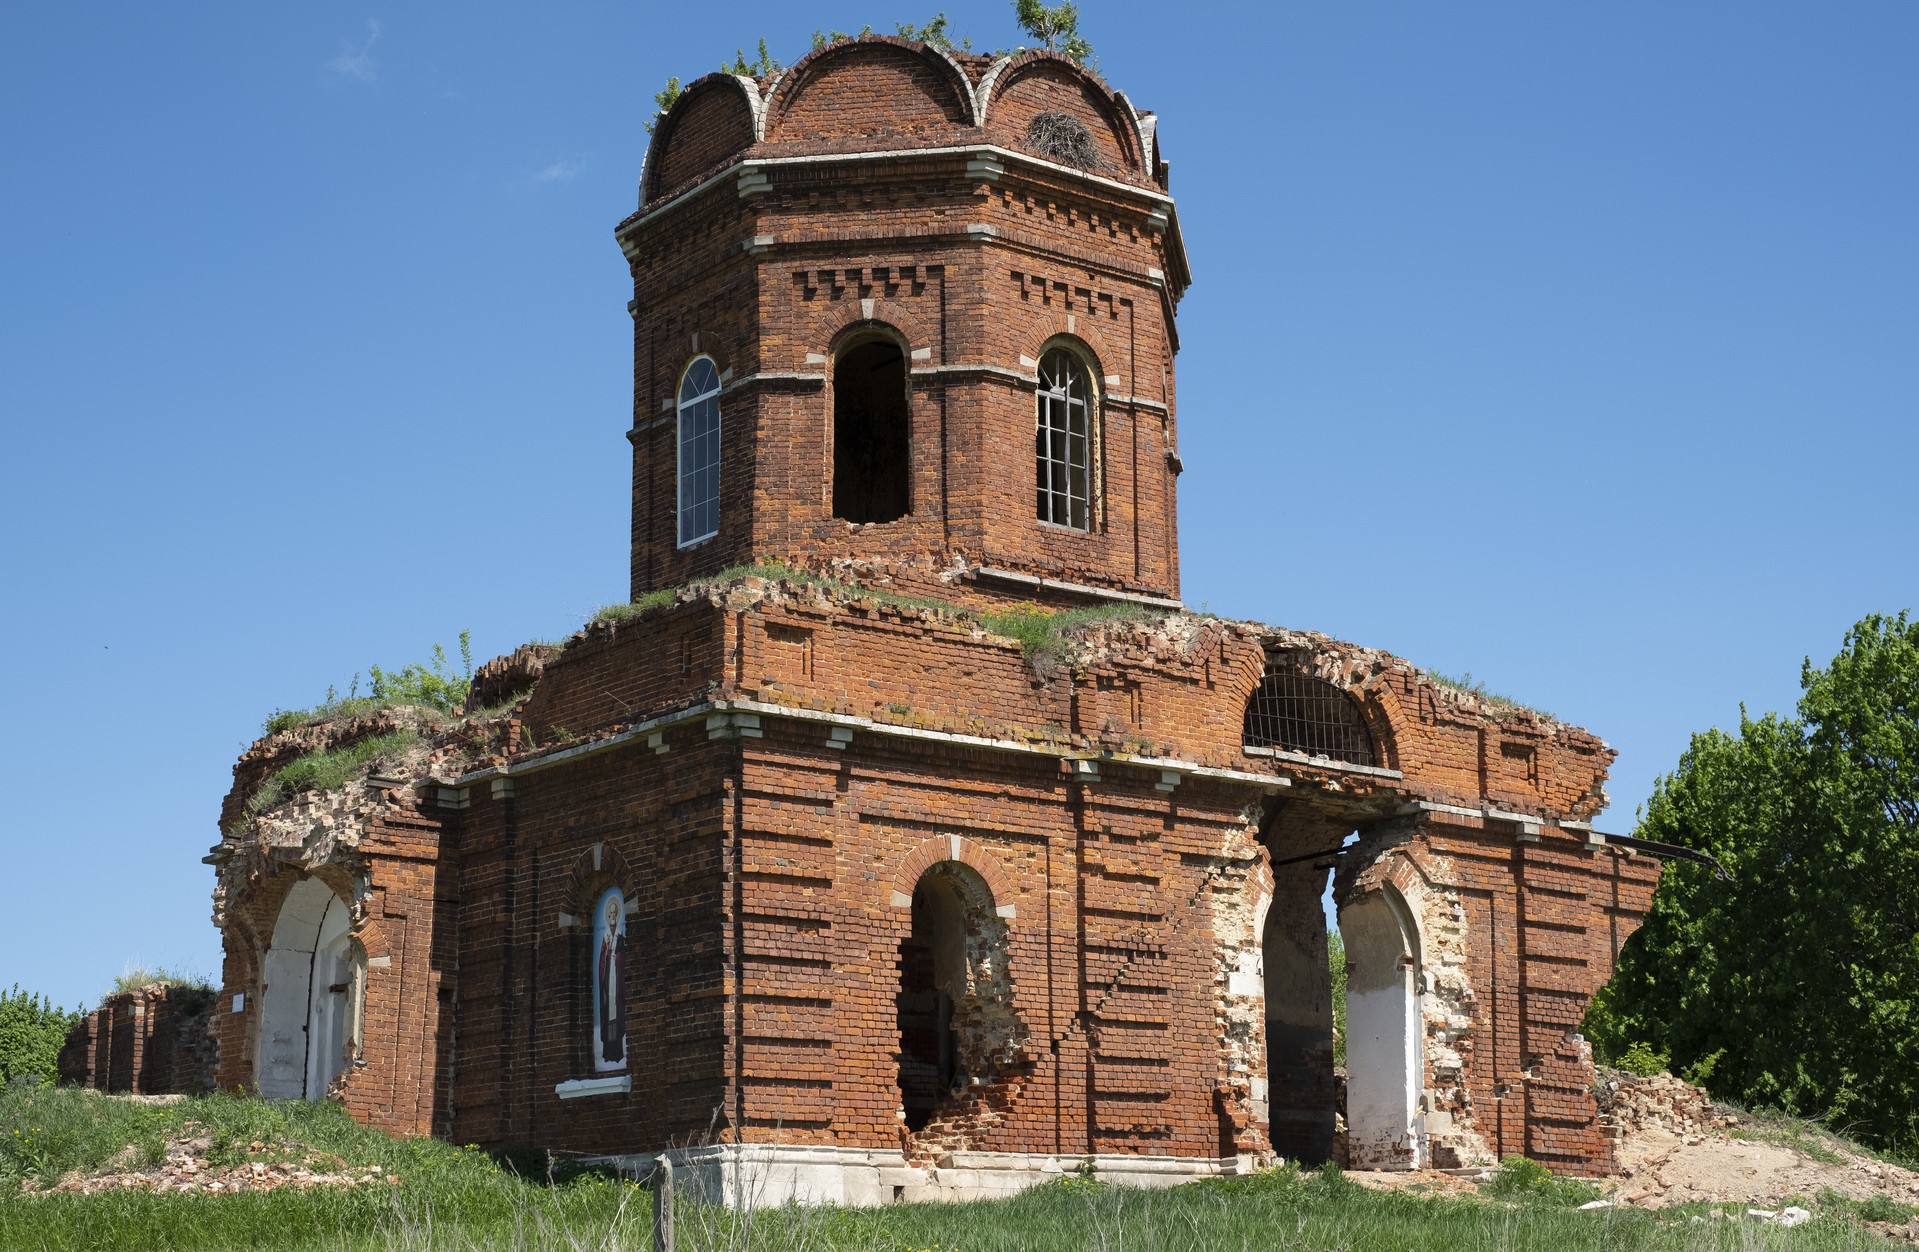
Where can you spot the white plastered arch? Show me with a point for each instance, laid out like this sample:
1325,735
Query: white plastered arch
1385,1032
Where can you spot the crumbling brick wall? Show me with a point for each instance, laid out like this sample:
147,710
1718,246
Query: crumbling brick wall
152,1040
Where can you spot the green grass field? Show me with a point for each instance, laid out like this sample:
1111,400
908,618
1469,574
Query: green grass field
453,1198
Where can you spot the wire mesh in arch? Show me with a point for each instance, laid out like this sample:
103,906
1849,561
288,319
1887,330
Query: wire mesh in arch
1302,714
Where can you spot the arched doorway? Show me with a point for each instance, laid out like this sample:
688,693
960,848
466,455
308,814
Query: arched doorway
1385,1054
311,995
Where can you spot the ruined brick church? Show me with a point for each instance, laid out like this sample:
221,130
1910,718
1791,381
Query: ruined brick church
906,836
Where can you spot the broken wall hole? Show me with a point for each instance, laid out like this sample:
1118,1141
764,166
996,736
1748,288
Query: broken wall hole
872,438
954,1005
1298,988
1341,979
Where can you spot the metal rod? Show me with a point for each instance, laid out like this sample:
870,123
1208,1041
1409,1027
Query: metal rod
1670,851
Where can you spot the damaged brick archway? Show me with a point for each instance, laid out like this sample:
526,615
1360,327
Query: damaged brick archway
1368,1113
960,1037
1385,1045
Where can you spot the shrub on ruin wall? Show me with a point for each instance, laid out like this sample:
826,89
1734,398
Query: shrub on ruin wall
432,686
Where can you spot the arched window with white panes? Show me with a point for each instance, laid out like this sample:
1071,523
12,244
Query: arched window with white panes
699,460
1063,442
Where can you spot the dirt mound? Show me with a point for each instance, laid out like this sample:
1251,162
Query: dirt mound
1675,1146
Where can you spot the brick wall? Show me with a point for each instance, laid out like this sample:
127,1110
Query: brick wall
153,1041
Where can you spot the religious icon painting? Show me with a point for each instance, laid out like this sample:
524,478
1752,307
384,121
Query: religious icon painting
609,981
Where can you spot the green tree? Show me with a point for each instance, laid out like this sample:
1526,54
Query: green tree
1055,26
664,100
1795,985
764,67
32,1031
1336,963
934,33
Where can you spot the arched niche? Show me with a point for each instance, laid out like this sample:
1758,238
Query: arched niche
875,87
1385,1055
313,979
713,119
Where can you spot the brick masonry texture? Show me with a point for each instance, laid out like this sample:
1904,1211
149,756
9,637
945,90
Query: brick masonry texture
152,1040
775,769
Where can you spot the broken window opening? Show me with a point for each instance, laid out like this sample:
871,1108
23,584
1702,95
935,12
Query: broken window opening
871,433
1298,713
1063,442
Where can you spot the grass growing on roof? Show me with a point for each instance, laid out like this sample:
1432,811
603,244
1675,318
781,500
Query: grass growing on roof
663,597
433,686
1472,686
329,769
1045,635
134,977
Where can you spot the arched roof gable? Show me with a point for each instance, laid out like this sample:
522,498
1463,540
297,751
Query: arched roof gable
1010,93
943,87
727,116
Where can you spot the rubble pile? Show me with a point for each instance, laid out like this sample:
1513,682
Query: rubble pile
1630,1104
185,1167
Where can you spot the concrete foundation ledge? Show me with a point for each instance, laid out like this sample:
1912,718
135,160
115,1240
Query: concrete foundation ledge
754,1175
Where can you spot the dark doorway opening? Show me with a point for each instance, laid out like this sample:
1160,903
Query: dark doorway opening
1298,947
932,966
871,428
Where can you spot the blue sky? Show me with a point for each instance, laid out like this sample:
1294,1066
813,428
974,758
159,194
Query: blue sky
1575,347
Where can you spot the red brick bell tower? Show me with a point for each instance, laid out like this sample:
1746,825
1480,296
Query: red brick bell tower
901,310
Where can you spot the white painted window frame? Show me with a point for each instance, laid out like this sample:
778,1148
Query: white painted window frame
682,507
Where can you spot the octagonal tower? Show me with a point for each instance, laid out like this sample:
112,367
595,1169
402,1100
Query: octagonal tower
910,311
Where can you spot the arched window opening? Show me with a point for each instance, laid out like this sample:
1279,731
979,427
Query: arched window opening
314,978
1298,713
1063,443
871,433
699,452
609,981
